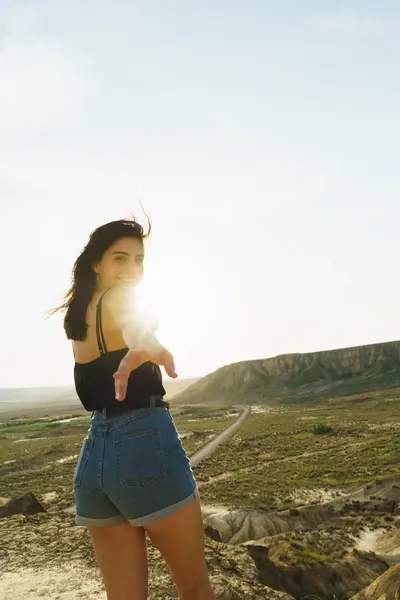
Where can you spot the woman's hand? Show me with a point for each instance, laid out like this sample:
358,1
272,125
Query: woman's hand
134,358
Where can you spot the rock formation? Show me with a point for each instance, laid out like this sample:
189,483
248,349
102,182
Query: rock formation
294,377
331,549
386,587
27,504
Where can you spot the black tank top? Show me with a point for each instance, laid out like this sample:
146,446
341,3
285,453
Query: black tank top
94,382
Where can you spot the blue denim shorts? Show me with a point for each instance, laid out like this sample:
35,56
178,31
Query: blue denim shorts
132,467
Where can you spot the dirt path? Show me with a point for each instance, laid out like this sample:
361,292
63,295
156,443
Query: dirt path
206,450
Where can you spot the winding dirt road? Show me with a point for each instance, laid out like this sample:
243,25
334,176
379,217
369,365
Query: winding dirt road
206,450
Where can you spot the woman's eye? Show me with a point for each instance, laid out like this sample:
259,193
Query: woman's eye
120,258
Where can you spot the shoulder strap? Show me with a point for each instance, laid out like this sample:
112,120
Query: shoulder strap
99,328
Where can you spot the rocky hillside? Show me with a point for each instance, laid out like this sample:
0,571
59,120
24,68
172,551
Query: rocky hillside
386,587
325,550
300,377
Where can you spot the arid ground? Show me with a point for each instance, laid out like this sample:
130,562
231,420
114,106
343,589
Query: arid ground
302,499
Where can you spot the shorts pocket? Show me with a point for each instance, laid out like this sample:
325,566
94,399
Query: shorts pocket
86,450
139,457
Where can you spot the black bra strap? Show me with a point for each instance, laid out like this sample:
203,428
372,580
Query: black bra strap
99,329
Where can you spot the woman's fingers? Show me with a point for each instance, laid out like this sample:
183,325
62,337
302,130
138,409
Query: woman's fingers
121,380
160,356
126,366
169,365
133,359
121,384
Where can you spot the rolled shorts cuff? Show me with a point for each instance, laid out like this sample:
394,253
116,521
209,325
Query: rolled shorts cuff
140,521
164,512
88,522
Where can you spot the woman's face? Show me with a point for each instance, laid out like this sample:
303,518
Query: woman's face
122,262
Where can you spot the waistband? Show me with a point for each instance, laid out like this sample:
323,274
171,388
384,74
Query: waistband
121,407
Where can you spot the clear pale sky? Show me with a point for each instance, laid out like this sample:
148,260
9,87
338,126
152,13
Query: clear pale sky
262,138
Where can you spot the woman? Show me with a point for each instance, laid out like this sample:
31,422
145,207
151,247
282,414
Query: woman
133,476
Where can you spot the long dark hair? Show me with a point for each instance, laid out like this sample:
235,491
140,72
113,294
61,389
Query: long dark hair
77,299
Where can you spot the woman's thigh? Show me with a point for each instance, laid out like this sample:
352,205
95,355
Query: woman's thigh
180,539
121,553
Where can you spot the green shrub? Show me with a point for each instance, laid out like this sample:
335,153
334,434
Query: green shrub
322,428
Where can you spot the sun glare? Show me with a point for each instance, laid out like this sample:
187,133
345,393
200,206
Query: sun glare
183,306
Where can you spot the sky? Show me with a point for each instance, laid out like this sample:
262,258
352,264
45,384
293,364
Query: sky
262,139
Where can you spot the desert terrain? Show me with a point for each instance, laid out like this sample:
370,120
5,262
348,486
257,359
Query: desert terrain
301,499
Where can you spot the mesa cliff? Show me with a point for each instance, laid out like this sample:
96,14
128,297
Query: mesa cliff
292,378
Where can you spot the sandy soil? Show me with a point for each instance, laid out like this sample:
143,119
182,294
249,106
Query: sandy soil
70,583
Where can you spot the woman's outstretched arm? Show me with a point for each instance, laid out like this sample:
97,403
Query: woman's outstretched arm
139,335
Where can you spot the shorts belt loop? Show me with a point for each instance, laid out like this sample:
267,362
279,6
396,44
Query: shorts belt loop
152,401
104,413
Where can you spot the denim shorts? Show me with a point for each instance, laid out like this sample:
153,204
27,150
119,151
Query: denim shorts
132,467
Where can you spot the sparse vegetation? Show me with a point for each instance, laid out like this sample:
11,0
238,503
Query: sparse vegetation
321,429
279,459
274,461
